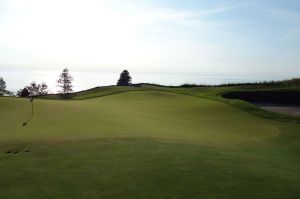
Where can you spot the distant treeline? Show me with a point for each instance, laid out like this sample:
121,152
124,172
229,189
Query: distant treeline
291,82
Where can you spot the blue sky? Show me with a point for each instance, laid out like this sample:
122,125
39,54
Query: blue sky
205,37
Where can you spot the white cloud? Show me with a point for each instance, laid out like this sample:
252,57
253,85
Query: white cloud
98,35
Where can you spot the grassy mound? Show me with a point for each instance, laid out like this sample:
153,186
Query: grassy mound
145,144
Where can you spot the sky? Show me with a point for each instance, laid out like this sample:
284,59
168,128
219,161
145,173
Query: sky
229,39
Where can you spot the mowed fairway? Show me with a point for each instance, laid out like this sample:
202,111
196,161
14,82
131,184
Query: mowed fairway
145,144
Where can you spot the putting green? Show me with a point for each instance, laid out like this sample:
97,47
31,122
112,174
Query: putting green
144,144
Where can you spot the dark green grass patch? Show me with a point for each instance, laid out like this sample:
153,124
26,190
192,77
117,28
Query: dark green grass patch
148,168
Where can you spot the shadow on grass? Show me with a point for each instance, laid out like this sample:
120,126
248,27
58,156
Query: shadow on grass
25,123
32,113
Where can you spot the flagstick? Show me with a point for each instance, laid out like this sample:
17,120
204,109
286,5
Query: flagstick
31,100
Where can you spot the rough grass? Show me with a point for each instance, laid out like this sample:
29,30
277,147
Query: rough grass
145,144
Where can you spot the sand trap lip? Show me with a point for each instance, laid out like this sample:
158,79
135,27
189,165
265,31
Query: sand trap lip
280,108
274,101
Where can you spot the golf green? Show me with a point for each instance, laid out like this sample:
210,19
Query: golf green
145,144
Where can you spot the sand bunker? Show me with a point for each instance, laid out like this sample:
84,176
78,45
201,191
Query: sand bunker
275,101
280,108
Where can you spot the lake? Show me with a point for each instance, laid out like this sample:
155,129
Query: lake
16,80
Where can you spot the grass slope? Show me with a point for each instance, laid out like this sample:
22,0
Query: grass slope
145,144
95,92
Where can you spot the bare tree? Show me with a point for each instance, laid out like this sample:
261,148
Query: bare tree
65,81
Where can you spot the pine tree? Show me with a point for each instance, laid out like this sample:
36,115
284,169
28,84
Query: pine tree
2,87
125,79
65,81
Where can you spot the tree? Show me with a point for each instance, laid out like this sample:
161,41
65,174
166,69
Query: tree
65,81
37,89
23,92
125,79
2,87
33,89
